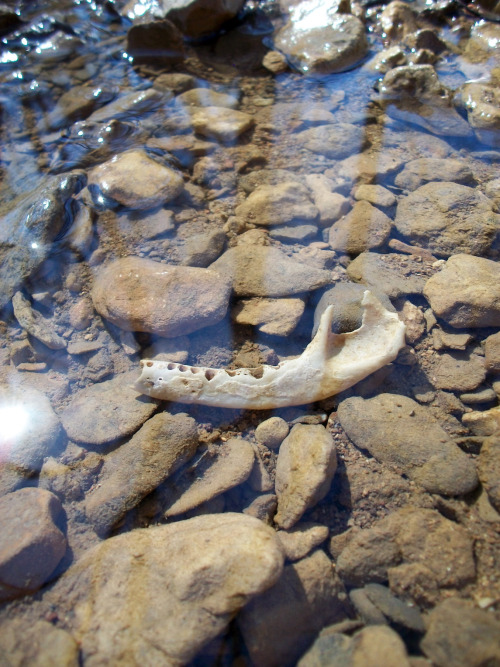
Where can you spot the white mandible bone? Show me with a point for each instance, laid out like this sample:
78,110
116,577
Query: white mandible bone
329,364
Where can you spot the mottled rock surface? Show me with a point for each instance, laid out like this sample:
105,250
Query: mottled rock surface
279,204
189,579
276,317
489,469
141,295
364,228
220,123
300,540
334,141
31,543
382,273
40,644
397,430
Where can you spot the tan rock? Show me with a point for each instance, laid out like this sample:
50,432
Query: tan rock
364,228
276,317
225,125
277,205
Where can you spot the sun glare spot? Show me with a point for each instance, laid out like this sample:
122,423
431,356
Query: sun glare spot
14,420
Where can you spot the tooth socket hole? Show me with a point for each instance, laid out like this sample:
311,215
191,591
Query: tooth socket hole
183,369
171,366
148,363
209,374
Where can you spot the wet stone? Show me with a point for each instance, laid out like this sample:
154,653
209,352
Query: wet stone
317,40
397,430
300,540
333,141
271,432
35,324
220,123
492,352
394,609
306,464
375,194
424,170
482,102
77,104
39,644
277,205
138,294
466,292
448,218
458,371
205,97
294,233
202,249
383,273
31,544
267,272
213,564
364,228
214,473
462,635
331,205
158,42
279,625
134,180
129,105
276,317
130,472
106,411
489,469
31,427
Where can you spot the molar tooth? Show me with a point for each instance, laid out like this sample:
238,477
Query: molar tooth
329,364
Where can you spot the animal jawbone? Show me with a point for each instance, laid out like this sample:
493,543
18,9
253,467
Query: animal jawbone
329,364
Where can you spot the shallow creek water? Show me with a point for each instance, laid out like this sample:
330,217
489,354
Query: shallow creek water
197,204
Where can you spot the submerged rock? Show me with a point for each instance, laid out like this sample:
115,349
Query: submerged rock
189,579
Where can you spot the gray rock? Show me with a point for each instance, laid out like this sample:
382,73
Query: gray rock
158,42
333,141
346,299
33,322
77,104
397,430
276,317
331,205
466,292
364,228
294,233
141,295
267,272
461,635
278,204
319,40
130,105
279,625
458,371
220,123
271,432
107,411
38,644
394,609
130,472
202,249
31,544
386,273
375,194
375,645
412,548
306,464
300,540
217,471
424,170
189,579
448,218
29,227
135,180
488,469
30,426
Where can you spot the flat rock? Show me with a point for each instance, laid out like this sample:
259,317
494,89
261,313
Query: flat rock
424,170
206,97
218,471
458,371
364,228
492,352
189,579
29,228
306,464
278,204
30,427
267,272
412,548
202,249
294,233
373,645
461,635
276,317
248,182
220,123
489,469
130,472
394,610
141,295
130,105
466,292
107,411
397,430
374,194
388,274
31,544
280,624
38,644
135,180
331,205
333,140
300,540
318,40
348,312
448,218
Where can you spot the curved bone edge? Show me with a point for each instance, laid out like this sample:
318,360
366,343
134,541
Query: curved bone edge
329,364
